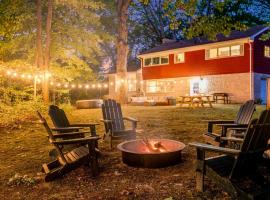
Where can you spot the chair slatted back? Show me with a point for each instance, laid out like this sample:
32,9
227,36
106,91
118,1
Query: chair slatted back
51,137
58,117
245,112
262,134
254,144
111,110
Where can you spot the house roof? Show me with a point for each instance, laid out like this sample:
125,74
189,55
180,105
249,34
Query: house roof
249,33
130,68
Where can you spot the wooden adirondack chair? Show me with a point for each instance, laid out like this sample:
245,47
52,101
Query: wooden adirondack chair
114,122
67,161
238,171
60,120
241,122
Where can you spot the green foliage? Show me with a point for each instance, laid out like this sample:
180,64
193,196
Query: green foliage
209,17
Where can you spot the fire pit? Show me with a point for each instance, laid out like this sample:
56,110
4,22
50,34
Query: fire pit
154,153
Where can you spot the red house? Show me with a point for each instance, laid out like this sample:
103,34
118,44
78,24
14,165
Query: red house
238,65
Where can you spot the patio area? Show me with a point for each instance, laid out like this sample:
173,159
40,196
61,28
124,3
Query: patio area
28,147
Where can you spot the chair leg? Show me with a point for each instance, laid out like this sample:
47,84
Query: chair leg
93,161
200,170
111,145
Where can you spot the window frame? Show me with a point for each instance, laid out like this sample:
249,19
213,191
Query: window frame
152,65
158,84
264,52
175,56
242,50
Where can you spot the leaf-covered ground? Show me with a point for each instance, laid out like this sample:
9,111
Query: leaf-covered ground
25,148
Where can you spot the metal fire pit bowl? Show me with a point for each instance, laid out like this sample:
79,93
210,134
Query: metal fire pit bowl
136,153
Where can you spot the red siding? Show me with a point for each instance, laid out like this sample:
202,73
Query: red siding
196,65
261,63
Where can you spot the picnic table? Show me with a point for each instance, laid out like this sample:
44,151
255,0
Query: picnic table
221,96
195,100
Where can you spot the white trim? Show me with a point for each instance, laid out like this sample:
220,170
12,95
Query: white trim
151,57
174,55
264,51
258,33
251,72
195,48
242,51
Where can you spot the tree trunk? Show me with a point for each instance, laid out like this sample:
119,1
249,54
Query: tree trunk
122,49
39,62
45,88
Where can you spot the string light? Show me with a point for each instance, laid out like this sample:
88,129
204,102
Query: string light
47,75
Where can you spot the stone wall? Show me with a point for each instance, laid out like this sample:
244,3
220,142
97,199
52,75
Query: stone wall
236,85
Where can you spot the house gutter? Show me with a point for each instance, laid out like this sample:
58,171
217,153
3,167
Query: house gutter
251,89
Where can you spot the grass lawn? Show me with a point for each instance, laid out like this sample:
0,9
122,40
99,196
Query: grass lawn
23,150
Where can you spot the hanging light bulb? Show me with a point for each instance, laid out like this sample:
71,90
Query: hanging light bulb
15,74
29,76
111,83
8,72
86,86
141,82
58,84
66,85
51,83
79,86
23,76
99,86
105,85
93,86
72,86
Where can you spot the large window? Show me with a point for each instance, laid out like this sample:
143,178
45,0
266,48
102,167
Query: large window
159,60
160,86
267,51
179,58
132,86
226,51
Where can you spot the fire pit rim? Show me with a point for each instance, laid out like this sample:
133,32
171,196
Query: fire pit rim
120,147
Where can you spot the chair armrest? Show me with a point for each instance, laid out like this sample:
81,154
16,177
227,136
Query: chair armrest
238,129
83,125
219,121
216,149
130,119
106,121
66,129
75,141
238,135
232,139
233,125
63,135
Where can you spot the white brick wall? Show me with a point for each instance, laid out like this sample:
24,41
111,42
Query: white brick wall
236,85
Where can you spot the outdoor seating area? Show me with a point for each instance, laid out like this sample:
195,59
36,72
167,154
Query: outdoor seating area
135,100
82,149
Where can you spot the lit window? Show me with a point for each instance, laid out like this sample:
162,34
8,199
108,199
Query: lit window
160,86
223,51
267,51
236,50
155,61
213,53
180,58
227,51
165,60
147,62
132,86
